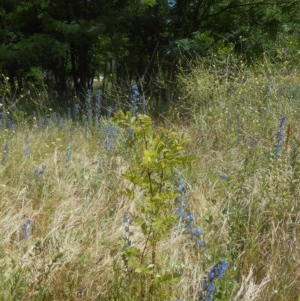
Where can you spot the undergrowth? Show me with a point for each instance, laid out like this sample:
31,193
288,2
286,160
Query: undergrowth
202,206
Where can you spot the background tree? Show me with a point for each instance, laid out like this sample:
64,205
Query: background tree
66,43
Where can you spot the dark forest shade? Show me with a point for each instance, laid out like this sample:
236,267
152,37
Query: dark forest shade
64,44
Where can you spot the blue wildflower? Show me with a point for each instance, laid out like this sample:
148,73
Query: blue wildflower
197,232
280,136
211,287
135,99
98,102
187,219
209,296
27,228
127,218
224,176
200,295
181,185
88,104
40,169
27,151
135,87
76,112
210,276
11,124
208,286
127,221
190,217
200,243
110,137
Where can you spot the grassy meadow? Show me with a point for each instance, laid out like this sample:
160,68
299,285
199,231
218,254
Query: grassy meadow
203,204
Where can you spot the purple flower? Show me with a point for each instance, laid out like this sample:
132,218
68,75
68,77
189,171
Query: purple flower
280,136
27,228
181,185
40,169
210,276
190,217
211,287
135,87
224,176
201,243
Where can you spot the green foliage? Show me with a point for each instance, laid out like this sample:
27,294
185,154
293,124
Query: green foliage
72,41
149,2
157,155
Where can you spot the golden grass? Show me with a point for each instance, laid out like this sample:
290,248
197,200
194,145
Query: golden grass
76,200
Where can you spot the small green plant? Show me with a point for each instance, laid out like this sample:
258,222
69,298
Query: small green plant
156,158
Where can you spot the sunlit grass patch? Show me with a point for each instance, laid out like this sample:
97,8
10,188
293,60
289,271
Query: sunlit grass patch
229,219
247,141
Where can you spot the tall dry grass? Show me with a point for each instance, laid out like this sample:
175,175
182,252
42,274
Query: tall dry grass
62,195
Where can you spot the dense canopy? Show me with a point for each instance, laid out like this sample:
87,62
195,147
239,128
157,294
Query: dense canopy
66,43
